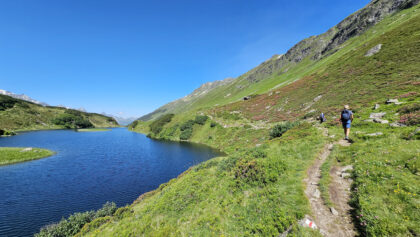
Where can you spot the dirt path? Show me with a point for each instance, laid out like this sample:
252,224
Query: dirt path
331,222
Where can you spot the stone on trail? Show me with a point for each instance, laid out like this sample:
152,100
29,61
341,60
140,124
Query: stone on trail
317,193
377,115
333,211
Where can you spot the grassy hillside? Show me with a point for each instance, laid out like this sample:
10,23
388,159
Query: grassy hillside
18,114
258,187
301,60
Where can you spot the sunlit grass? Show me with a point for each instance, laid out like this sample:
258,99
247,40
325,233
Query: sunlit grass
11,155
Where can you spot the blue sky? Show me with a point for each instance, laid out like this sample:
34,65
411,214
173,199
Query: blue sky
131,57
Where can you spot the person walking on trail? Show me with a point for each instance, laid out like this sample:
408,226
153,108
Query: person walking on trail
346,119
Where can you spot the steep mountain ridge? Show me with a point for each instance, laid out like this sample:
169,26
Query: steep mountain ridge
280,70
177,105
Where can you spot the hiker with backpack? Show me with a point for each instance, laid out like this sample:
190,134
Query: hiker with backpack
322,118
346,119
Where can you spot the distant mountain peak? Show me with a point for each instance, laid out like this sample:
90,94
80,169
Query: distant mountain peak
22,97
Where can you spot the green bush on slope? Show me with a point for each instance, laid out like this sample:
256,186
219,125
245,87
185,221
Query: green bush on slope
75,222
158,124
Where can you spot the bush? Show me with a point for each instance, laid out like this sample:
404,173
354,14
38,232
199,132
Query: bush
107,210
187,125
186,134
257,152
157,125
201,119
410,119
6,133
133,124
72,121
122,212
93,225
75,222
280,129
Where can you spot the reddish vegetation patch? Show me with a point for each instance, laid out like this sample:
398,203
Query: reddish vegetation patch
406,95
410,119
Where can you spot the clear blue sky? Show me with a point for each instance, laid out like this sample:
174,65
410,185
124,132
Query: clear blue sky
134,56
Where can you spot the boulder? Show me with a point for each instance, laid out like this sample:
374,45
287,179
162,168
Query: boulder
347,167
373,50
378,120
397,125
392,101
377,115
317,98
374,134
333,211
376,106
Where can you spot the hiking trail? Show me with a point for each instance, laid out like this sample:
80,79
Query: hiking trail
335,221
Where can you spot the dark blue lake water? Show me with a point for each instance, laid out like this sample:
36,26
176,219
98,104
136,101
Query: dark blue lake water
89,169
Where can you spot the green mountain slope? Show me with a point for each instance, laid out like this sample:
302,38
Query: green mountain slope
297,62
16,114
257,189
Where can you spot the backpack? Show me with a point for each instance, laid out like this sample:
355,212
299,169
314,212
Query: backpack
345,115
322,118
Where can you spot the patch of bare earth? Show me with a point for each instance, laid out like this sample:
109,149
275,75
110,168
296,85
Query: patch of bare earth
335,221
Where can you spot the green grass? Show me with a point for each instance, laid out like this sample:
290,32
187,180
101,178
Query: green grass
251,191
93,130
19,115
11,155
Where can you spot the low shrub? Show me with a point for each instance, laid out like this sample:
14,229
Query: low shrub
257,152
71,121
201,119
96,223
133,124
75,222
280,129
122,212
410,119
186,134
187,125
157,125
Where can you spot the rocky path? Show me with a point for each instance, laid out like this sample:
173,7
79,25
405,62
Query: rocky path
330,221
